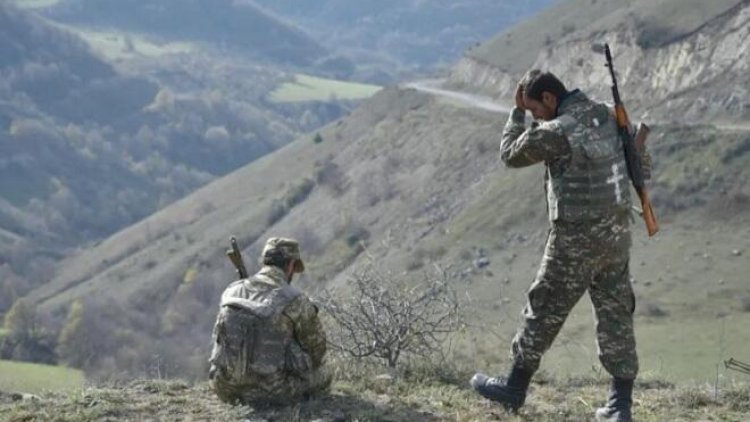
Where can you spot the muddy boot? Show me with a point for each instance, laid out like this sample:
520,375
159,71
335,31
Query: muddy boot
620,401
510,392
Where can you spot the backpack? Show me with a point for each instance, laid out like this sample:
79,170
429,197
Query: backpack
250,342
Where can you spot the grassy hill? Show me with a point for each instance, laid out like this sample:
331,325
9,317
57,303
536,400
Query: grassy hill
240,25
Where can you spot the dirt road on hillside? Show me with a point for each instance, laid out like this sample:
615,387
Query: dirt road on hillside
434,87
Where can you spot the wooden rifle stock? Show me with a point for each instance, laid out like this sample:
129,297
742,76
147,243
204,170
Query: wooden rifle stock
632,148
648,212
652,227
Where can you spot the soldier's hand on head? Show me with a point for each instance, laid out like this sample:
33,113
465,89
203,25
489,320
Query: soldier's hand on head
519,98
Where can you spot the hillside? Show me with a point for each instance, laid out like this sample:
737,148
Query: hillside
58,73
406,169
408,181
677,61
90,146
238,25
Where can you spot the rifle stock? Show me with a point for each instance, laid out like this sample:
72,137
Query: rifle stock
652,227
632,148
640,136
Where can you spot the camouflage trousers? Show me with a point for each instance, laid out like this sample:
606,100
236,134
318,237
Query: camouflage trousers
583,256
274,390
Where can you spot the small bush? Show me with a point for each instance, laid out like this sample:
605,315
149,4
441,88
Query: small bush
298,192
294,195
387,319
329,175
356,235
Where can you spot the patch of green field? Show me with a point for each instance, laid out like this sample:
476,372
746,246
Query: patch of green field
116,45
36,4
34,378
311,88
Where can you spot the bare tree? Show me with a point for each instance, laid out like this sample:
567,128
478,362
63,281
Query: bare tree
387,318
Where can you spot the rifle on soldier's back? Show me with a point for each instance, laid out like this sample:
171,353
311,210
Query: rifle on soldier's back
632,146
235,256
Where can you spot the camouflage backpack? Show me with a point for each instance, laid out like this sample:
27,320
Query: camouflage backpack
250,342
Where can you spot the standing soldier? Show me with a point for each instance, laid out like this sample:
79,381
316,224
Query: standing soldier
588,248
268,342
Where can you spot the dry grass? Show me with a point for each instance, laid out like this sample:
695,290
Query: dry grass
424,394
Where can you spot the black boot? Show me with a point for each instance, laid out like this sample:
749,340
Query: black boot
619,403
510,392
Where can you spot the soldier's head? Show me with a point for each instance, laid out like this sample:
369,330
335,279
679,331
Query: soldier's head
542,92
283,253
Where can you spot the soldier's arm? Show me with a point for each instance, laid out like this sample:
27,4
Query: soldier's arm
217,337
307,328
542,141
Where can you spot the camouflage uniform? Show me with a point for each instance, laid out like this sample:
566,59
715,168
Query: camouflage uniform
588,200
268,342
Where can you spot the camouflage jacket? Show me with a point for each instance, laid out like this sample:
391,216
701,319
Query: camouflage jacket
296,345
586,174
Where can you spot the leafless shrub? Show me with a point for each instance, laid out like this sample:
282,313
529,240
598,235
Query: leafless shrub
387,318
295,194
298,192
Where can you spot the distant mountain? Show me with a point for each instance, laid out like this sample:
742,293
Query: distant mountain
238,25
409,33
58,73
87,148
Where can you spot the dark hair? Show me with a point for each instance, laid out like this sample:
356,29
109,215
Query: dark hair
536,82
276,259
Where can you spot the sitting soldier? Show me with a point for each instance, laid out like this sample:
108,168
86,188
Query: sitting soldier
268,342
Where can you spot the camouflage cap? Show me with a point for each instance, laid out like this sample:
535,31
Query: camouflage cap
288,247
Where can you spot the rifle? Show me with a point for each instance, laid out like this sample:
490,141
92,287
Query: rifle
738,366
235,256
631,148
